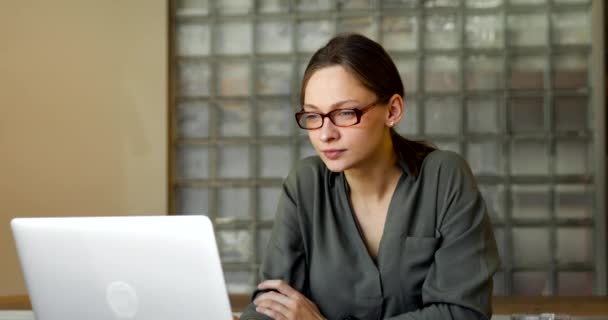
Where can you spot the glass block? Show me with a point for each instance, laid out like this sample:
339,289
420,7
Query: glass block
442,116
239,282
307,150
527,29
573,157
361,25
192,39
526,2
228,208
192,120
531,247
499,288
192,200
233,78
192,7
494,197
234,162
273,6
529,157
574,245
301,66
234,245
235,118
571,28
530,201
484,31
274,37
263,240
399,33
483,3
442,32
484,73
275,118
409,122
313,34
499,235
192,162
234,38
527,72
274,78
449,145
570,71
483,115
313,5
530,283
269,198
354,4
526,115
571,114
485,157
441,73
275,161
193,78
232,7
574,201
408,70
440,3
399,3
575,284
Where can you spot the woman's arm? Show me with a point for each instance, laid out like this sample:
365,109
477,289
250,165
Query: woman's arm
459,282
284,258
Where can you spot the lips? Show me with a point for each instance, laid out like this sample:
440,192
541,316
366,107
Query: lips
333,154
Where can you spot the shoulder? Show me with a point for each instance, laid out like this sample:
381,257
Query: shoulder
308,173
442,161
307,166
447,169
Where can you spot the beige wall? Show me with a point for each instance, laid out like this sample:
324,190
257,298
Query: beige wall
83,96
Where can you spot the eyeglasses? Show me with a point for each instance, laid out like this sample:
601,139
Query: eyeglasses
339,117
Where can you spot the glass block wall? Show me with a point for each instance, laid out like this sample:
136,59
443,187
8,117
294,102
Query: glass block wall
506,83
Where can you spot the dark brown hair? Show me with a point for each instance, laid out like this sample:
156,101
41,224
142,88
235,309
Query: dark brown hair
372,66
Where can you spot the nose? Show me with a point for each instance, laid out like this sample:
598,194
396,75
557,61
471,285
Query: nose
328,131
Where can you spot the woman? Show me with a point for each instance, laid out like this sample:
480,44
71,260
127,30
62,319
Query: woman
376,226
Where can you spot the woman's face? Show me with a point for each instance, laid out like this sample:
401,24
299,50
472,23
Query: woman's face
343,148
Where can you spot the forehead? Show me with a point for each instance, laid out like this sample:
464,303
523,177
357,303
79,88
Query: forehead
332,84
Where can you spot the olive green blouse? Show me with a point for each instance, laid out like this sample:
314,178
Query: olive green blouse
436,257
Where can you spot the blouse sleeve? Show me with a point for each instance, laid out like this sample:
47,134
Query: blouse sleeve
284,258
459,282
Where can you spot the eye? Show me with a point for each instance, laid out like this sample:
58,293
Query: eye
346,113
311,116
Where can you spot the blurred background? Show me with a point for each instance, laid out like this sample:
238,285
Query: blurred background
186,107
507,84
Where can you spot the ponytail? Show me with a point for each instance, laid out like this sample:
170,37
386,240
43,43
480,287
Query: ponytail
412,152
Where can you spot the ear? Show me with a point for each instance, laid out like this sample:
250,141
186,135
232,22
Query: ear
395,111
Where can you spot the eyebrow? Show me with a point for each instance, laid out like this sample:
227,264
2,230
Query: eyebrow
333,106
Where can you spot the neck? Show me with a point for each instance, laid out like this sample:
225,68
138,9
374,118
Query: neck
376,178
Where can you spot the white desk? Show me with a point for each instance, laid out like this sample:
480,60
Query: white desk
28,315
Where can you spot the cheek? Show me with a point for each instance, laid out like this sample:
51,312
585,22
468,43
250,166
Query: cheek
368,133
313,136
368,140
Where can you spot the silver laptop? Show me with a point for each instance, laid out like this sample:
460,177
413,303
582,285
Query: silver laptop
94,268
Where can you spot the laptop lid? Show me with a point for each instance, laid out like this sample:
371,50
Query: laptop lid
153,268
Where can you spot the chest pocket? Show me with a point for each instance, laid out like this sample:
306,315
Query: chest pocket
417,256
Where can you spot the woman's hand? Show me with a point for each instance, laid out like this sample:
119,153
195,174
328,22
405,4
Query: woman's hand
286,304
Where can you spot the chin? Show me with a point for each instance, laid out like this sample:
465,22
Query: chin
336,165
